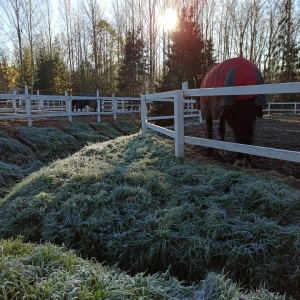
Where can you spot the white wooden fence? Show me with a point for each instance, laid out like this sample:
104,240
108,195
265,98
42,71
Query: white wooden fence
289,107
178,97
20,106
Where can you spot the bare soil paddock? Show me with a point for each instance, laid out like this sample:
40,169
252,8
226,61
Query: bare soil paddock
275,131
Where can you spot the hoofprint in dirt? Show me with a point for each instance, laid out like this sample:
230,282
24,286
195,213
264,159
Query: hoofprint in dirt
275,131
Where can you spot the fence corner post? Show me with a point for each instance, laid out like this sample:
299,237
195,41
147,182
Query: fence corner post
179,123
143,115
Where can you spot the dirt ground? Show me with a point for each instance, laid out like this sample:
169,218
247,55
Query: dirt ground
275,131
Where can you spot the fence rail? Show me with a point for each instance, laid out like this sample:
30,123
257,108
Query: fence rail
178,98
20,106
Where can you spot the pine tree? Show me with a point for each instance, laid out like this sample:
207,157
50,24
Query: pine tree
289,49
132,71
52,74
188,53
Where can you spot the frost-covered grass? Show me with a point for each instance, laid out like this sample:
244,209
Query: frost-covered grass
48,143
131,203
34,147
83,133
16,161
127,127
41,272
107,129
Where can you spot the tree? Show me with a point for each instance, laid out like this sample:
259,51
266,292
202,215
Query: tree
290,61
94,15
188,52
14,21
132,71
52,74
8,75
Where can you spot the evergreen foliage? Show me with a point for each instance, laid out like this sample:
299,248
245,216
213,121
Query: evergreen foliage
132,71
52,76
188,53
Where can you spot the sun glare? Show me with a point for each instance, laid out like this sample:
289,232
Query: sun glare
169,19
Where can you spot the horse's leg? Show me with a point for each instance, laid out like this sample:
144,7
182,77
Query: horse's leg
243,124
233,118
222,132
209,129
222,128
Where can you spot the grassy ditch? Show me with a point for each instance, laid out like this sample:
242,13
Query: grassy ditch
131,203
31,271
30,148
17,161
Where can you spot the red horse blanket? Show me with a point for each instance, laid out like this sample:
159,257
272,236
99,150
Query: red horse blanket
231,72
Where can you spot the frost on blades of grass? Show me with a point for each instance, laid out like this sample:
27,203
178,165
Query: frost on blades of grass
48,143
48,272
132,203
106,129
16,161
83,133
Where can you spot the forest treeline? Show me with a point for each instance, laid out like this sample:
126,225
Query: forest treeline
124,48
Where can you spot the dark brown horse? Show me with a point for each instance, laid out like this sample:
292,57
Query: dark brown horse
239,112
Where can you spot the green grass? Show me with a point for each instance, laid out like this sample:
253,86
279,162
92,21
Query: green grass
34,271
131,203
48,143
16,161
106,129
127,127
34,147
83,133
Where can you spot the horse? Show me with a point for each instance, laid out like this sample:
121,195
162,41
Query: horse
80,104
240,112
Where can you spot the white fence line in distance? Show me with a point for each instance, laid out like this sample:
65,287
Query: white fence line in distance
20,106
178,97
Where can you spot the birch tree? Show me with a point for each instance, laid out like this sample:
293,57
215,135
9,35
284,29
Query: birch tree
13,18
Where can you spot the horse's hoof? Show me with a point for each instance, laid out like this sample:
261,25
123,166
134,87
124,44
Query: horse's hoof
242,163
239,163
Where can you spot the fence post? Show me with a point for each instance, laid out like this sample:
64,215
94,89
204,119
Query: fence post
295,108
28,106
115,107
144,115
184,85
179,123
14,103
40,102
98,107
69,106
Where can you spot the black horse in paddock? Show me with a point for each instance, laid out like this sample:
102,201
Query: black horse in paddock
239,112
82,103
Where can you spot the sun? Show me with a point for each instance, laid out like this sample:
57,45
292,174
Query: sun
169,19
